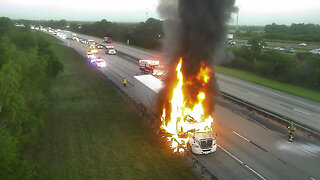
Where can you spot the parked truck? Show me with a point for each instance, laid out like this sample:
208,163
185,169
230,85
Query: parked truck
146,90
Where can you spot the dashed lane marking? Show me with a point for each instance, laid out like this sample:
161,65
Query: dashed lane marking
241,136
242,163
302,111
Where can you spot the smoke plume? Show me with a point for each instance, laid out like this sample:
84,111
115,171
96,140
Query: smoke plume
194,30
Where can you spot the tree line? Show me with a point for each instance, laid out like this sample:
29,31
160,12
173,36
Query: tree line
302,69
27,66
144,34
296,32
149,34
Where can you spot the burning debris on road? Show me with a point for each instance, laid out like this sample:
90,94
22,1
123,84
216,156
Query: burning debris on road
194,32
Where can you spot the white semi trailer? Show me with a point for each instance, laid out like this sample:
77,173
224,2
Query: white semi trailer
146,90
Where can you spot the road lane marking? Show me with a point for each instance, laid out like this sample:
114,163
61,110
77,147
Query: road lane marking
253,94
230,154
249,141
242,163
295,109
241,136
272,134
301,111
267,91
254,171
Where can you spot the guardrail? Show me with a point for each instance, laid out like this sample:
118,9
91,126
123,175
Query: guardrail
269,114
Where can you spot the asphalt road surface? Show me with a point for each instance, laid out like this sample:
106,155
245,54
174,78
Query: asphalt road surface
301,110
281,44
245,150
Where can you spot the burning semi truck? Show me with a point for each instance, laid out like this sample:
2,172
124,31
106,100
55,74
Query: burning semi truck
185,127
194,32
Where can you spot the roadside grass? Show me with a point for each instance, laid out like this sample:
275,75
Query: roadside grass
288,88
91,133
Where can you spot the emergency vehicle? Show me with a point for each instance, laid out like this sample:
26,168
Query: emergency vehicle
152,67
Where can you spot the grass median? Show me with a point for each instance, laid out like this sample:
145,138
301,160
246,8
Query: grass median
92,134
288,88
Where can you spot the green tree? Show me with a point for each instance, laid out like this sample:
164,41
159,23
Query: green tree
256,46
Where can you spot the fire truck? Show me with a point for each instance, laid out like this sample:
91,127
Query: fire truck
152,67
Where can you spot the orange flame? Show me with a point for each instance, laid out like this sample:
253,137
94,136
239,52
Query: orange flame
183,120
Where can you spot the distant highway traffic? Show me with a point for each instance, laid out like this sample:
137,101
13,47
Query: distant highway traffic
281,44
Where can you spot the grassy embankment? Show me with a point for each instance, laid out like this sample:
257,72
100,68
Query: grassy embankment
288,88
92,134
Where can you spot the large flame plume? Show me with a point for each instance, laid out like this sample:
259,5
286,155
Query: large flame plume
182,114
195,31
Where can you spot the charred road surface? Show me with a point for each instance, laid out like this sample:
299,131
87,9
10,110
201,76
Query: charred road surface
245,149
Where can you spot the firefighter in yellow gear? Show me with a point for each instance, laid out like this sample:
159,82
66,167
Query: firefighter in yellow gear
124,82
291,131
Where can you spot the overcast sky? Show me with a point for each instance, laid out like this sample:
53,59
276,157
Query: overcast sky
252,12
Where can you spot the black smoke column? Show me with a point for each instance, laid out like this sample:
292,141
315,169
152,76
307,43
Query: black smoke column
194,30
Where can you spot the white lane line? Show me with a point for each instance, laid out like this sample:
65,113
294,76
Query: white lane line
241,136
254,172
253,94
245,165
301,111
267,91
231,155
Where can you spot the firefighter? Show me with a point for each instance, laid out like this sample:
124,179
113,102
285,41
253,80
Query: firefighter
291,131
124,82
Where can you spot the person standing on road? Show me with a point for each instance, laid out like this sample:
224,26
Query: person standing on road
291,131
124,82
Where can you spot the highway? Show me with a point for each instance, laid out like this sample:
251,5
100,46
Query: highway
281,44
246,150
302,111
